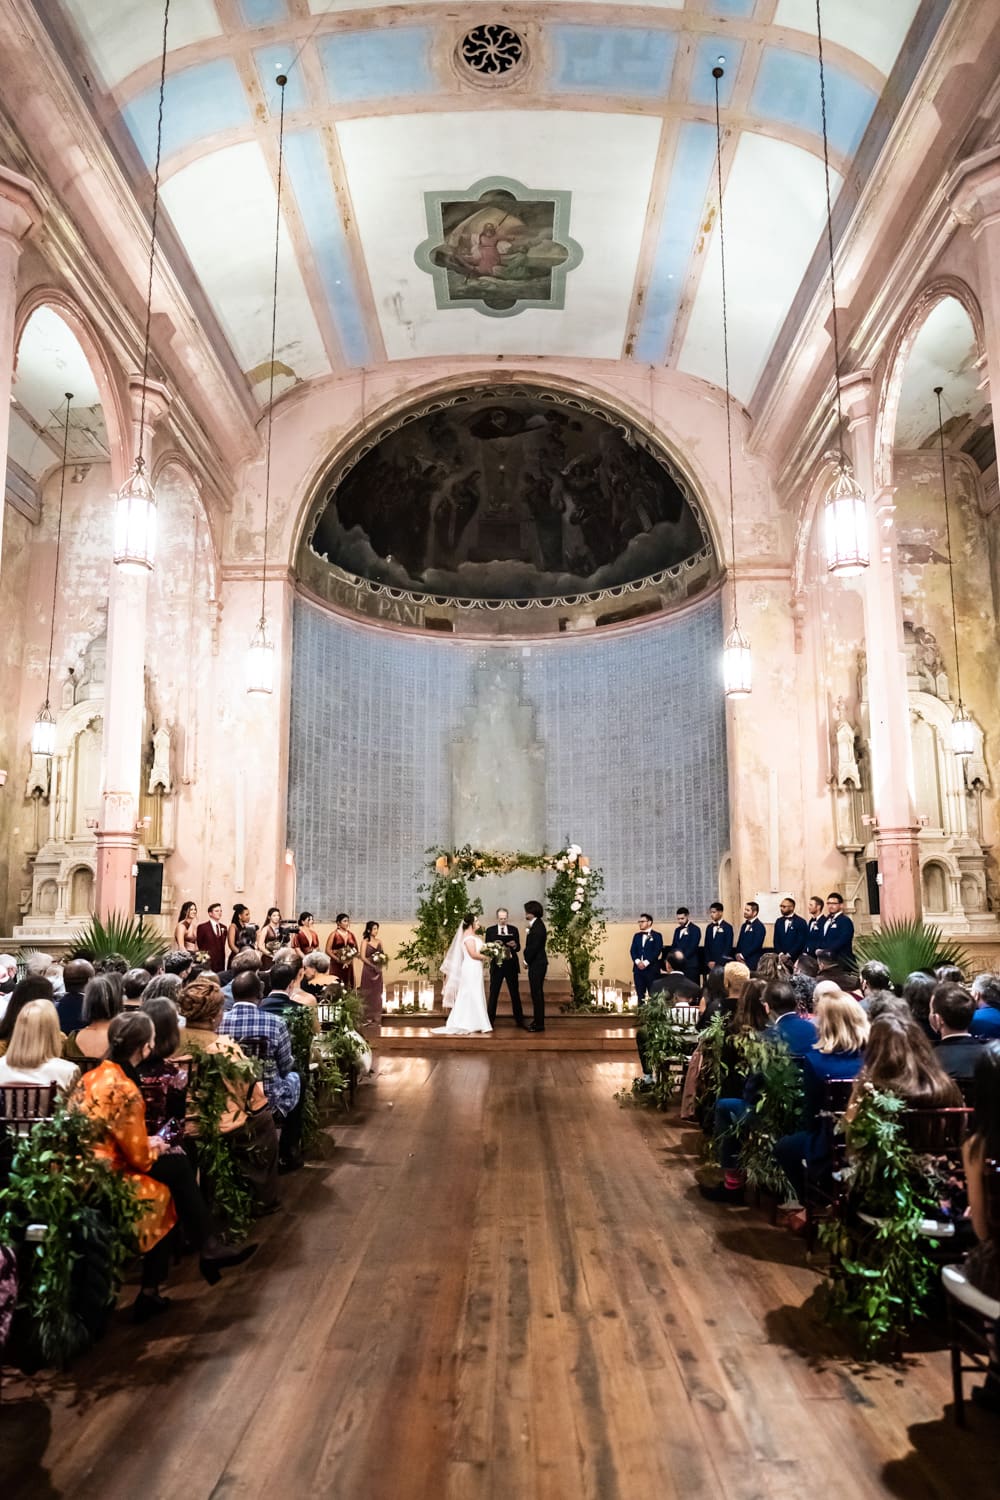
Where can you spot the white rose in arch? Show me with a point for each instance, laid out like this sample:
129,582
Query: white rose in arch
574,906
574,851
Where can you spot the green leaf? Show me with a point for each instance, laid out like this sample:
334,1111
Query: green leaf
906,946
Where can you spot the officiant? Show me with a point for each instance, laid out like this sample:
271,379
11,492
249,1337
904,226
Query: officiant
508,969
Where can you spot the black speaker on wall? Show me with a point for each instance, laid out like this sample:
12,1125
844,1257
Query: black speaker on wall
149,888
874,889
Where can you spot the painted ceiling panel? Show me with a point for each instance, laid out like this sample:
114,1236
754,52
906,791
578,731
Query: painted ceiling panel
121,35
263,12
775,209
611,59
270,62
712,50
223,208
378,64
197,102
787,92
693,165
334,7
874,29
604,162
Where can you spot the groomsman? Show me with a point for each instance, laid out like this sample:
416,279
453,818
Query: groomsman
791,932
814,937
647,945
750,943
718,947
838,932
687,940
508,969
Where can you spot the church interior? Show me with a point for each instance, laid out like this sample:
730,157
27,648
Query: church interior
533,461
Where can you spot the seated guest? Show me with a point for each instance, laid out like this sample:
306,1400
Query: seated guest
8,977
154,965
54,974
986,1021
102,1000
806,963
804,986
34,1054
112,963
884,1004
829,967
163,987
982,1265
161,1178
917,991
134,985
714,995
949,974
957,1050
791,932
70,1003
247,1121
247,961
673,979
875,980
899,1060
246,1022
313,976
37,965
279,980
796,1032
842,1028
30,988
749,1020
178,962
161,1065
771,966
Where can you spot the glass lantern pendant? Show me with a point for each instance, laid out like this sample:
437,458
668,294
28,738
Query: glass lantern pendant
963,733
135,523
260,661
43,733
737,667
845,518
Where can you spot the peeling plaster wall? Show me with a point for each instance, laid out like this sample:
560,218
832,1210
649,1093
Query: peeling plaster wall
18,533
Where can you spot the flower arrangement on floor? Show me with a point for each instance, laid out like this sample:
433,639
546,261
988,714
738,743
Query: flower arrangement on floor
668,1044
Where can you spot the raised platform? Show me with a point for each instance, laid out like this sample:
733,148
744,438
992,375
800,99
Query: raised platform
562,1034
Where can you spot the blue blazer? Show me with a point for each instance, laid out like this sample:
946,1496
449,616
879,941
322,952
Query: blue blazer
838,936
687,939
814,934
750,942
985,1022
718,942
791,934
650,951
798,1033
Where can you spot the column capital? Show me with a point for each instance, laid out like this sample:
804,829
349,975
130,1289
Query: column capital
21,205
157,400
973,189
856,394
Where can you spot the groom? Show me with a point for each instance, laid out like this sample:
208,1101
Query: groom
536,962
507,969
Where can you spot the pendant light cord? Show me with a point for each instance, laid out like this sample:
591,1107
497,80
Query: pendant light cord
140,462
835,329
717,73
281,82
55,571
947,533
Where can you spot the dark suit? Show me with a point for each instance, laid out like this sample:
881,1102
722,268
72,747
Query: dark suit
958,1056
814,934
536,961
213,943
838,936
791,935
506,971
69,1008
750,943
646,945
718,947
676,986
687,940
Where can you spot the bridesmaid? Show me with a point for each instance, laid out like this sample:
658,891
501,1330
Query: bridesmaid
269,937
242,933
186,931
372,982
306,940
342,937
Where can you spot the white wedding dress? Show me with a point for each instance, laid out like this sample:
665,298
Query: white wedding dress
465,989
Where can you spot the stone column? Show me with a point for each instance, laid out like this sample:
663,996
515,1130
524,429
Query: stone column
888,702
973,190
124,698
20,210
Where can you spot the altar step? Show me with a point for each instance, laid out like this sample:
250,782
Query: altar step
561,1034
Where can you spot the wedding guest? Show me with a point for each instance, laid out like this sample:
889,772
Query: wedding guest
279,999
917,991
154,965
791,932
714,994
8,977
313,976
748,1021
980,1152
885,1004
307,938
673,979
34,1054
718,949
838,932
167,1116
242,932
796,1032
949,974
340,941
957,1050
134,983
687,940
246,1022
186,931
986,991
771,966
814,938
211,937
37,965
647,945
163,987
102,1001
32,987
178,961
899,1060
842,1031
831,969
70,1003
112,963
751,938
372,982
248,961
875,980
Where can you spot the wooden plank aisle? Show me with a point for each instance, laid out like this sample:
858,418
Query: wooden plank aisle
502,1287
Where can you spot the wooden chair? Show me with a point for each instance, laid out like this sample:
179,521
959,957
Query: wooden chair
826,1189
973,1317
22,1105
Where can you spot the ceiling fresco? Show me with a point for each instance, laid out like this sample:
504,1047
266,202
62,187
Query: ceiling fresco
607,109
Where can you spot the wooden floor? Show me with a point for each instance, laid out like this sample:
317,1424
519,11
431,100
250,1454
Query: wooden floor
504,1285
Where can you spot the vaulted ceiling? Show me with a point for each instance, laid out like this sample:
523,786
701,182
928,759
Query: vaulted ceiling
608,110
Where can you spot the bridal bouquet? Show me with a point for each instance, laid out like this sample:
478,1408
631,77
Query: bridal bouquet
345,955
379,960
495,953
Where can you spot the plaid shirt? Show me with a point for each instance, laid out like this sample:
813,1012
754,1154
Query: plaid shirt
246,1022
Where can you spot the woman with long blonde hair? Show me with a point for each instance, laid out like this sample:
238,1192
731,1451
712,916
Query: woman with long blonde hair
35,1051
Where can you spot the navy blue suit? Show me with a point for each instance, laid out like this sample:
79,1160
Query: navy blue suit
814,938
791,934
718,943
647,945
838,937
687,940
750,942
986,1023
798,1033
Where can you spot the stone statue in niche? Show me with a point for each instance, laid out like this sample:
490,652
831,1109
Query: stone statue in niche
848,772
159,772
924,661
846,784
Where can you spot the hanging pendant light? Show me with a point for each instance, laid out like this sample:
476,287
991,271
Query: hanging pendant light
737,666
134,539
845,509
43,731
964,733
260,653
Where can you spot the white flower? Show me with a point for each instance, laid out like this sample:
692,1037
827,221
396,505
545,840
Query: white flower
574,906
560,864
583,875
574,851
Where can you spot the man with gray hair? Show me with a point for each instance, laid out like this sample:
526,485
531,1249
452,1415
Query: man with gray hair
8,978
875,981
986,992
36,965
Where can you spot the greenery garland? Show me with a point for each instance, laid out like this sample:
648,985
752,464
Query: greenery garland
711,1045
776,1111
665,1043
90,1214
576,925
443,902
883,1274
215,1078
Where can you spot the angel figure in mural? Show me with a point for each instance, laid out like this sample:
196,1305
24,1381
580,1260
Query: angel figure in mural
464,983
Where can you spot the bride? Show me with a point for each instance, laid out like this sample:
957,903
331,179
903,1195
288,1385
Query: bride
464,990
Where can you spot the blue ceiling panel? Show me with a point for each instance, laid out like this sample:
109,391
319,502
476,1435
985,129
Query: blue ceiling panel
378,64
611,60
197,102
679,226
787,92
274,60
708,53
263,12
